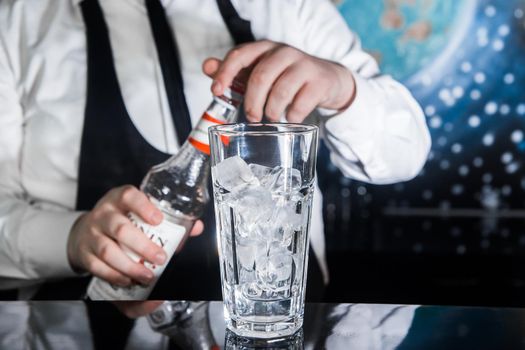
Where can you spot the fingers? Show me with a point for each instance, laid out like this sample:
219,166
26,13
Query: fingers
263,77
282,77
107,244
109,252
130,199
197,228
121,229
283,93
237,59
210,66
277,80
100,269
303,104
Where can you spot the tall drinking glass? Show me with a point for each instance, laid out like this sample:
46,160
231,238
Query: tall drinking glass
263,176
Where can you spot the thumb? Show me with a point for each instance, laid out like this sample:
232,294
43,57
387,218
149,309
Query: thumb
210,66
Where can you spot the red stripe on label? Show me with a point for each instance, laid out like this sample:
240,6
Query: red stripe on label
204,148
209,118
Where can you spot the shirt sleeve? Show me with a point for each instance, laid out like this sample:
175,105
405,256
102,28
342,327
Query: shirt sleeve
32,241
382,137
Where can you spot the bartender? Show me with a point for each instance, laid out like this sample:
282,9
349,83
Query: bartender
95,92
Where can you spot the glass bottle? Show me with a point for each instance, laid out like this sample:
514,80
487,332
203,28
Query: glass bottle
179,188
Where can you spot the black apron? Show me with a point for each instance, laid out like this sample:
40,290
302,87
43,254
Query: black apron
114,153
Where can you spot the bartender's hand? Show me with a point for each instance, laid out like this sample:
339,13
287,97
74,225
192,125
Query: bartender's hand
93,243
282,79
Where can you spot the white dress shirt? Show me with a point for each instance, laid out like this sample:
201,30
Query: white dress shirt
381,138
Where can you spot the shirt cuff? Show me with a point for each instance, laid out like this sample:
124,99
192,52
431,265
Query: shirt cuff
43,243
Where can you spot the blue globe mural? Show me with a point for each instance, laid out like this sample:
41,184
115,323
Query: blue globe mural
462,60
406,36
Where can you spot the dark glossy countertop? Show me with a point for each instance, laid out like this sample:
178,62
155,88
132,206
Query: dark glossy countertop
200,325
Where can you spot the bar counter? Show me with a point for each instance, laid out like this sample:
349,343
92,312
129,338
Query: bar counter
200,325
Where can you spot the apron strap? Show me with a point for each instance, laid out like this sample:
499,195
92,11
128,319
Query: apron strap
170,66
239,28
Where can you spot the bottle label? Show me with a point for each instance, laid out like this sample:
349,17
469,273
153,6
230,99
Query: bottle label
168,235
199,136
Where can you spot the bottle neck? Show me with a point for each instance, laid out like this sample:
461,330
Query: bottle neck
195,152
193,162
221,111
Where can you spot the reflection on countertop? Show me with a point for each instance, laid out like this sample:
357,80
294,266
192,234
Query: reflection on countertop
200,325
